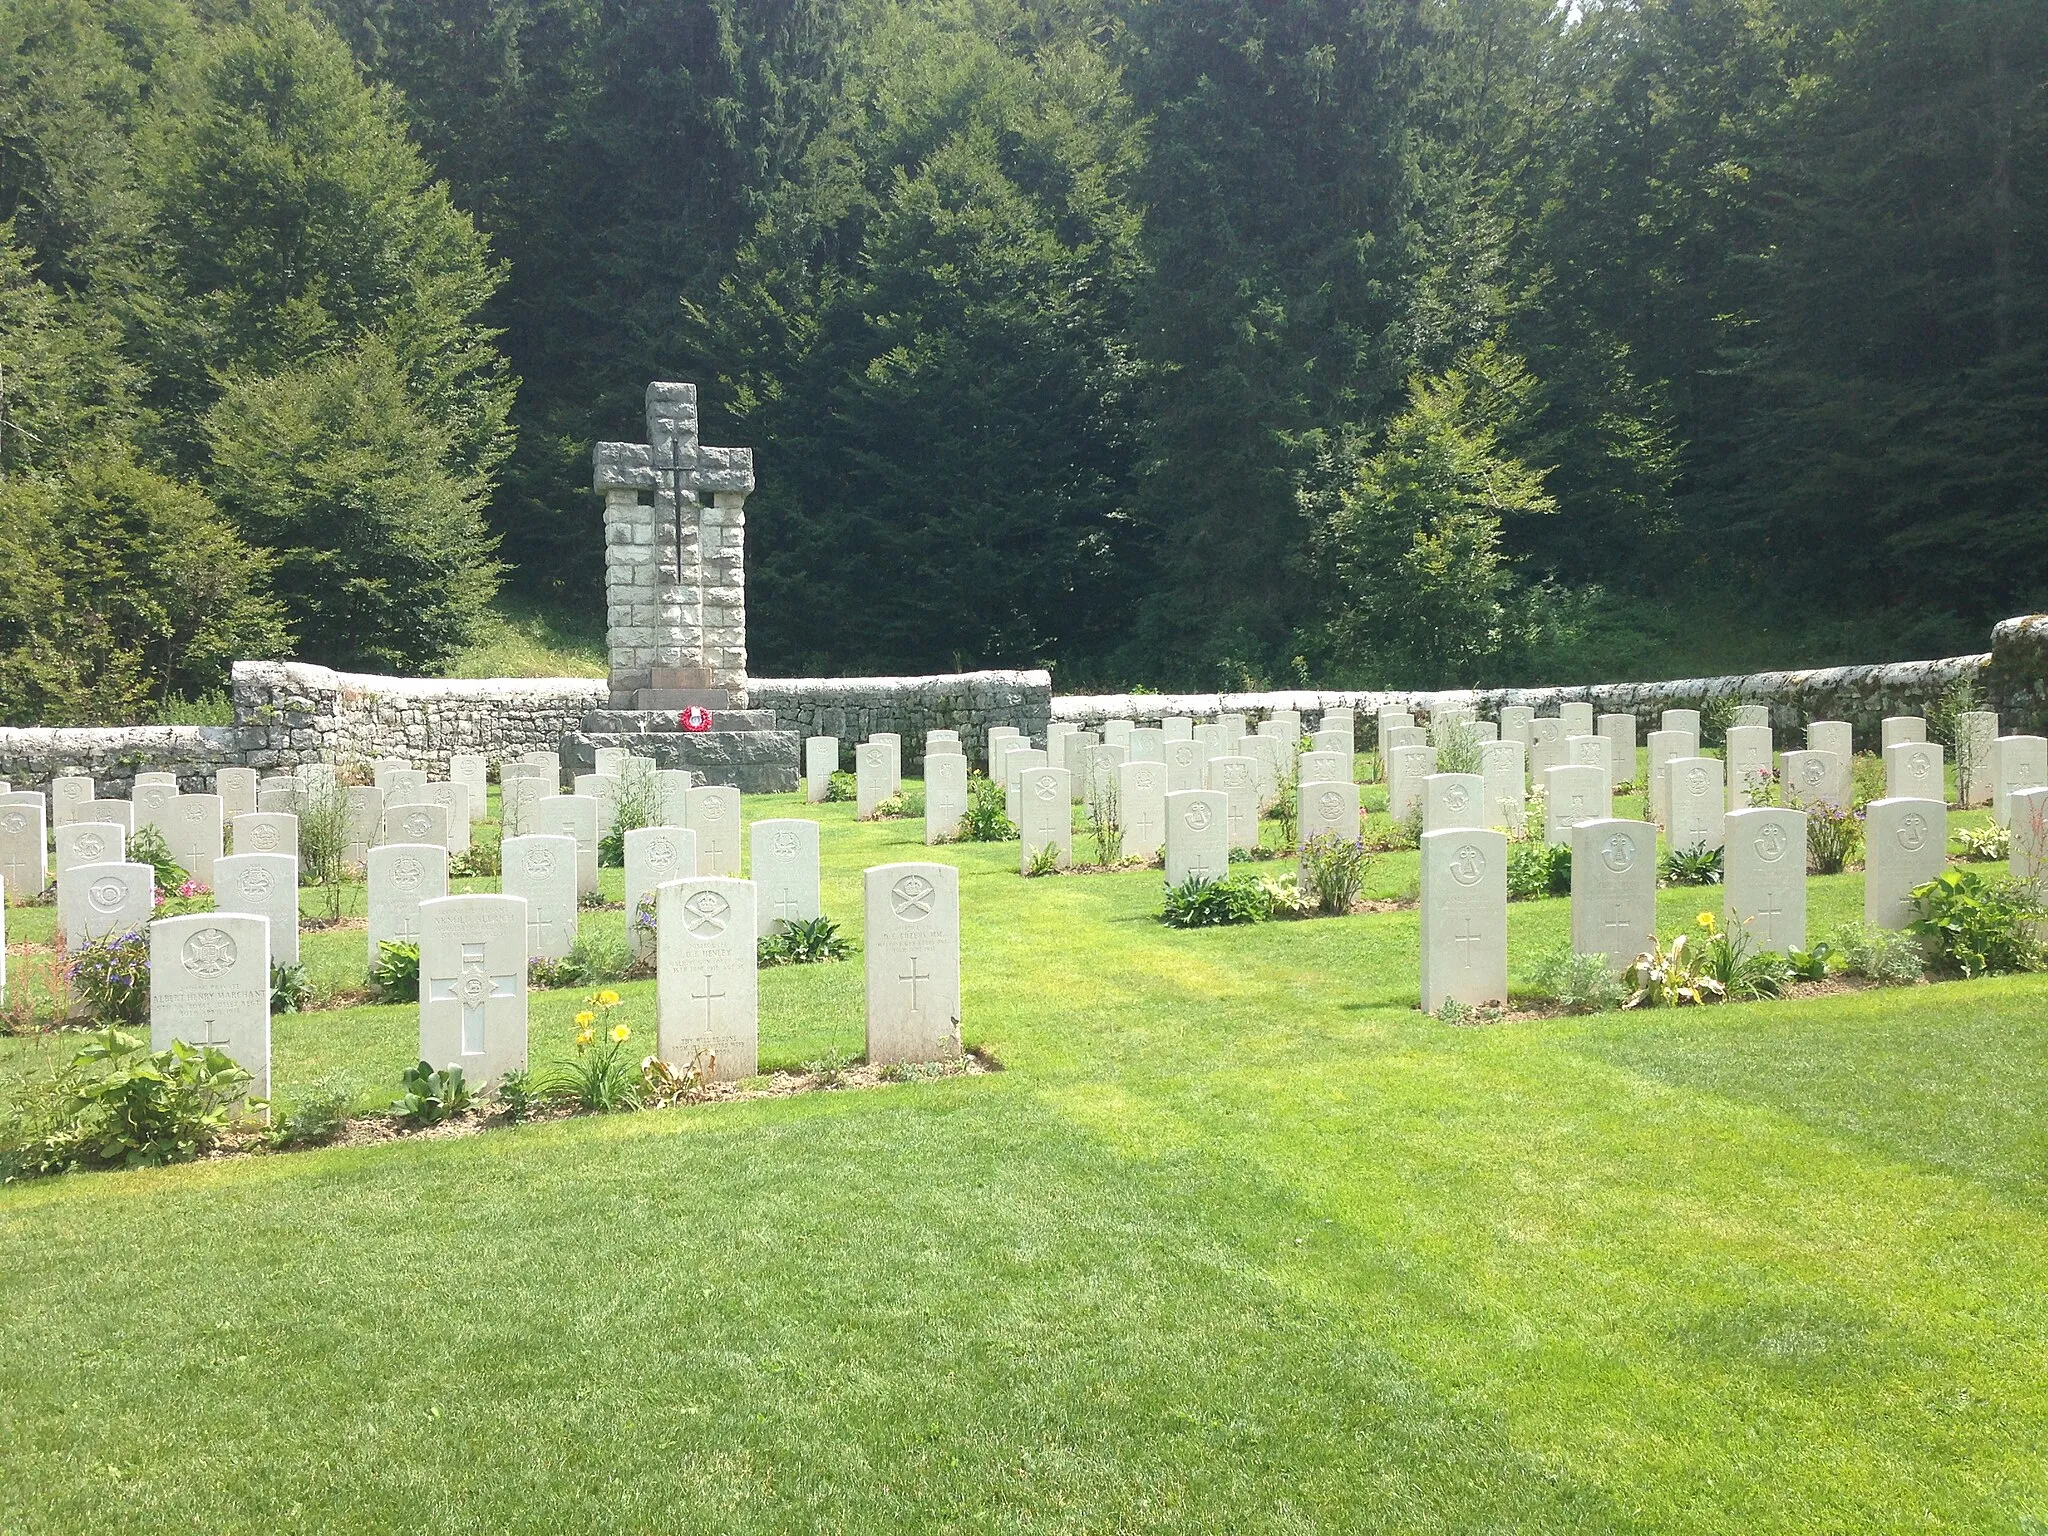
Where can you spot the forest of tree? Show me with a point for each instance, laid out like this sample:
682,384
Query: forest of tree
1180,342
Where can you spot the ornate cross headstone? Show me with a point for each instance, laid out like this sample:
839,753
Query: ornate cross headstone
675,584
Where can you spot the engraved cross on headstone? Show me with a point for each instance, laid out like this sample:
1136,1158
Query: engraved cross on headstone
707,995
472,989
916,978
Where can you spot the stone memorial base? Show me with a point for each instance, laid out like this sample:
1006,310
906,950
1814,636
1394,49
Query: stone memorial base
743,748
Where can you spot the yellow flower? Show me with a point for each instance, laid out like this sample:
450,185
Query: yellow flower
584,1037
585,1019
607,999
621,1034
1706,921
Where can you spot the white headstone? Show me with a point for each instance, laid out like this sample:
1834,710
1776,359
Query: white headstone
156,776
1234,723
1015,762
264,885
2027,859
1141,792
401,876
1045,796
913,962
24,844
1662,748
892,743
1184,764
1894,729
1614,889
1976,730
1212,741
1407,767
990,738
540,869
1620,731
194,832
237,790
89,842
672,795
1237,778
1390,720
1399,736
152,804
713,813
1147,744
821,761
1590,752
1339,718
1686,720
573,816
453,798
604,789
1328,810
401,786
1698,796
1811,777
1574,792
1117,733
209,985
120,812
1452,800
1177,727
381,767
945,795
1546,746
1763,881
785,866
1336,742
708,988
1197,835
1505,785
473,986
2017,762
1834,736
1916,770
1324,768
549,763
472,770
416,823
1905,844
610,761
1514,723
1752,715
1576,719
1748,757
266,832
365,822
1264,752
654,857
96,900
1056,735
68,792
279,797
871,778
1464,911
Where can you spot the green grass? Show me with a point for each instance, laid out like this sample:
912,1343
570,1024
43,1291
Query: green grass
522,638
1238,1241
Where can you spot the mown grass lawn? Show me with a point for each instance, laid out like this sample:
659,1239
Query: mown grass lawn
1237,1241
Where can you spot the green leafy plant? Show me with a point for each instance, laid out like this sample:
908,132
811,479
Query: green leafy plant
1944,716
311,1121
147,846
428,1097
894,808
1457,745
1539,869
1866,779
1043,861
1578,983
1971,925
1809,964
806,941
1987,843
842,786
1464,1015
1762,787
1883,955
1671,976
1331,872
1716,715
611,849
601,1077
397,971
109,979
1745,972
291,989
323,841
987,818
483,859
1106,817
1406,831
119,1104
1697,865
1834,836
517,1097
1238,898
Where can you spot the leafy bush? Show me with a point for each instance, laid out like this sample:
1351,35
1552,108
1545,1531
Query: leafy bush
896,807
516,1095
1987,843
291,989
1457,746
147,846
987,818
1043,861
1716,715
1809,964
397,971
611,850
1106,817
1744,972
807,941
1974,926
483,859
110,979
427,1096
1883,955
1238,898
1331,872
1671,976
593,958
312,1121
1698,865
323,840
1762,787
1539,869
1407,830
1458,1014
601,1077
1866,779
118,1104
1833,837
842,786
1578,983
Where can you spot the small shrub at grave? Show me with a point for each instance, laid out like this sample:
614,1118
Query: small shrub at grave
1578,983
117,1104
1985,844
1465,1015
1746,973
1044,861
842,786
428,1096
109,979
1761,787
601,1077
898,806
1236,899
397,971
312,1121
1671,976
483,859
1716,715
517,1096
1834,836
1866,779
1971,925
1944,716
147,846
1539,869
1331,873
1457,746
1811,964
807,941
1698,865
986,819
1883,955
291,990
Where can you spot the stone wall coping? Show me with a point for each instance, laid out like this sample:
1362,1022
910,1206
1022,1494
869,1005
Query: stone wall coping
307,677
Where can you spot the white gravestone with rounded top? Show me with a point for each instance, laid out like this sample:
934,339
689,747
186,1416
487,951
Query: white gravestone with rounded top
707,988
821,761
1686,720
1546,745
1614,889
152,804
1147,744
1619,732
1763,889
2027,858
156,776
943,742
1464,911
785,870
89,842
1905,844
945,795
1576,718
1836,736
1698,801
610,761
279,796
1916,770
871,778
24,843
1514,723
1237,778
714,815
672,795
472,770
194,832
473,986
453,799
654,856
1015,762
1453,800
401,876
209,985
1407,767
365,822
1324,768
1045,797
604,789
1748,763
913,962
401,786
1177,727
68,791
1141,804
1811,777
1184,764
891,742
2017,762
1661,750
540,869
266,832
1328,810
1505,786
120,812
573,816
1590,751
95,901
264,885
1197,836
1976,730
1573,792
416,823
1894,729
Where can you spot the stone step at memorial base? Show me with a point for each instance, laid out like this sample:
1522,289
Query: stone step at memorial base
666,720
755,762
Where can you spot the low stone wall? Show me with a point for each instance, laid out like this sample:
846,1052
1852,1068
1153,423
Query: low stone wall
854,708
2013,677
32,756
